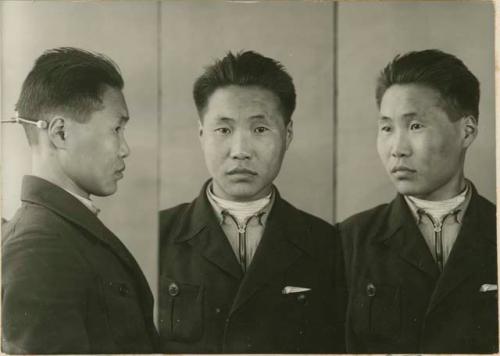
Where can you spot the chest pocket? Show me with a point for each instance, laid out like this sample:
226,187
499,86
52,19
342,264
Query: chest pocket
123,311
181,311
376,310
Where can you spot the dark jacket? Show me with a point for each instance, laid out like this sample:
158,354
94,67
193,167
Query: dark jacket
68,284
398,301
207,305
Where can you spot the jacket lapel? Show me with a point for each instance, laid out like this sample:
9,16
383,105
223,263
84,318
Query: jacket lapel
469,252
402,234
200,228
282,243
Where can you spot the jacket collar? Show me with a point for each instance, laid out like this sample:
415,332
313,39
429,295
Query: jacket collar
42,192
402,234
285,238
201,215
474,240
39,191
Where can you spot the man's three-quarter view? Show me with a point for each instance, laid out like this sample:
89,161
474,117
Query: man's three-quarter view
422,270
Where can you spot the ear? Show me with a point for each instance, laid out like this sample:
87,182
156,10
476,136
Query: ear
200,132
57,131
289,133
470,130
200,128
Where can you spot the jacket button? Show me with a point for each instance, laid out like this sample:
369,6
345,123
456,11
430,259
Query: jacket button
301,298
173,289
371,290
123,289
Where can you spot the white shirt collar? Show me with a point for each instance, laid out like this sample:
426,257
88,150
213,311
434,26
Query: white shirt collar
87,202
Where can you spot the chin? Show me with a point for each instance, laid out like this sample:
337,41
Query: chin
104,192
241,195
407,188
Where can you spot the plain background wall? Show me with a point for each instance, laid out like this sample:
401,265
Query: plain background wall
297,33
193,33
127,33
369,36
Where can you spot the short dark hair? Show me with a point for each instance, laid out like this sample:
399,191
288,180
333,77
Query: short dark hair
246,68
68,79
438,70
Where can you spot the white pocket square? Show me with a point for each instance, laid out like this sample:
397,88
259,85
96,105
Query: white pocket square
488,287
291,289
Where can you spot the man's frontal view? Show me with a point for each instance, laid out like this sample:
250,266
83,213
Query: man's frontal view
242,270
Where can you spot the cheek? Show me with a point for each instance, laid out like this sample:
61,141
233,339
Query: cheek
213,151
431,151
382,149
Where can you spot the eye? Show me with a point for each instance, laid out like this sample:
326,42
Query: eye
223,131
261,129
118,129
416,126
385,128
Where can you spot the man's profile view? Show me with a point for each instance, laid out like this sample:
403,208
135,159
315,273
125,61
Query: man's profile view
68,283
422,270
241,269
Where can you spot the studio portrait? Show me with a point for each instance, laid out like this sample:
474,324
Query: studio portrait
248,177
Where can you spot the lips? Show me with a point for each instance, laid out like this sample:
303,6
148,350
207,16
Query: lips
240,171
119,172
402,169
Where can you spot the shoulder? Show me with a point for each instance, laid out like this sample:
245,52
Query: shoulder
310,220
486,214
486,206
37,234
40,250
364,219
171,218
32,219
171,215
361,227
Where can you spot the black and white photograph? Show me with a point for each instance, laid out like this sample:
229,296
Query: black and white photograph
248,177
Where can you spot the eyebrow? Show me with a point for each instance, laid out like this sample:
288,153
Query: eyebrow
253,117
409,115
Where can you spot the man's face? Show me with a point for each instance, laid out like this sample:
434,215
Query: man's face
421,148
96,149
244,139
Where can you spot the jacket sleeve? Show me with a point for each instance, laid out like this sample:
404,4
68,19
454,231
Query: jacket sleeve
43,296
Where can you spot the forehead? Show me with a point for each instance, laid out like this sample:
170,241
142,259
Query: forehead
113,106
237,102
404,99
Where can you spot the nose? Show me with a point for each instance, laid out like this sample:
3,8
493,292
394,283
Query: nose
240,146
124,148
400,145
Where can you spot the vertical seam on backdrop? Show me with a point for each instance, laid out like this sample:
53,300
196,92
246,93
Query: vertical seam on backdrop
335,107
2,72
158,140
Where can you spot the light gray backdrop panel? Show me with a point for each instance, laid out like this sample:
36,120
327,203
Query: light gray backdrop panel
369,36
297,33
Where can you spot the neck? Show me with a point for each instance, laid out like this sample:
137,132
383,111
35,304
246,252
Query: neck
447,191
46,165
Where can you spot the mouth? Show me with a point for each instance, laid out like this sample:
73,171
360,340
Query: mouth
241,171
119,172
402,171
